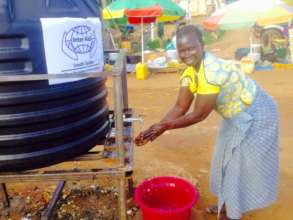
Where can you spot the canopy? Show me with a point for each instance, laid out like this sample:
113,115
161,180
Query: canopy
144,15
116,10
245,13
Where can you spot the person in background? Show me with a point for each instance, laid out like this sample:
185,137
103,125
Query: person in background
268,49
245,167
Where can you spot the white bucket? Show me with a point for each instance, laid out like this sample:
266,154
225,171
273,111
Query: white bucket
255,47
113,57
172,54
255,56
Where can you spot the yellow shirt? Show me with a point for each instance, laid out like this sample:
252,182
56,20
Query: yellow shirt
236,91
197,82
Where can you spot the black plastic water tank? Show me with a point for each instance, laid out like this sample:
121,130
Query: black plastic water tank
40,123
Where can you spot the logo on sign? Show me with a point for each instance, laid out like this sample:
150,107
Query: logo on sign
78,41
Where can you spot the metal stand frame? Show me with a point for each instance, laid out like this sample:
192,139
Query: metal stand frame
118,147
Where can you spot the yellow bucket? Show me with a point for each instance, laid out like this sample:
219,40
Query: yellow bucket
283,66
247,65
142,71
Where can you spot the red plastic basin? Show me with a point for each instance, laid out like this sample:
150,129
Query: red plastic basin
166,198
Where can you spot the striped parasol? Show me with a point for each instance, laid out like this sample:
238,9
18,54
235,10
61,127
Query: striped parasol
246,13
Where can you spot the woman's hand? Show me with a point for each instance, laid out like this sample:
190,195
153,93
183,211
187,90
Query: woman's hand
140,140
156,130
150,134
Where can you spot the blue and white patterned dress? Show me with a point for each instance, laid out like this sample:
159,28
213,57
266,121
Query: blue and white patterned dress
245,167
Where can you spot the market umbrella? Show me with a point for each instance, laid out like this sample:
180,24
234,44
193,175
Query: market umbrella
280,14
142,16
116,10
246,13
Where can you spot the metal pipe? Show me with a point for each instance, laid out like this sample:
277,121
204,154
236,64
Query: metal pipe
142,42
124,84
57,176
119,105
53,203
118,71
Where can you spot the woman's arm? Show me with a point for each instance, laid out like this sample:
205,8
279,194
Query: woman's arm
183,103
203,106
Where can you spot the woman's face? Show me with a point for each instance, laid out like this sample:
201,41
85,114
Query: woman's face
190,50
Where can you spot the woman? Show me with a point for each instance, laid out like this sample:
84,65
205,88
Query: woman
244,172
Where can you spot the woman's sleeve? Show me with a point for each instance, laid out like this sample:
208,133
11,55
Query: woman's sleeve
187,79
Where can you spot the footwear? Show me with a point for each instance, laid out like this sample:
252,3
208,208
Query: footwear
213,210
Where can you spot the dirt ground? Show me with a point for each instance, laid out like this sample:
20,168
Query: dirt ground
187,152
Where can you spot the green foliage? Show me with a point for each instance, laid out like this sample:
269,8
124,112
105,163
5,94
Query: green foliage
210,37
153,44
166,42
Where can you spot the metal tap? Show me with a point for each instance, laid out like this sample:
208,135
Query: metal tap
139,118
